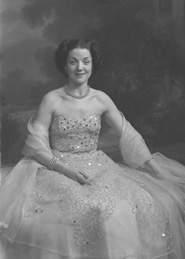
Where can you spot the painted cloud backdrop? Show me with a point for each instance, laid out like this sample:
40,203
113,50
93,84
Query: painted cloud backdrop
31,30
143,45
29,33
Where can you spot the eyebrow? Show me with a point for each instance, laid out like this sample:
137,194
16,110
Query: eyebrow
77,58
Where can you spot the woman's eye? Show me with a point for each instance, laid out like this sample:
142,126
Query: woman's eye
86,62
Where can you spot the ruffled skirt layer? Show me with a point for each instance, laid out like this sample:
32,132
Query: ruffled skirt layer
123,213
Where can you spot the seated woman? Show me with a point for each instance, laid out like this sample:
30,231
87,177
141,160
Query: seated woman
68,200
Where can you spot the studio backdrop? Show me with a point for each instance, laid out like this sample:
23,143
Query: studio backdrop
143,45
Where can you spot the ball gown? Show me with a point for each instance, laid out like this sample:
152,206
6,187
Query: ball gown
126,212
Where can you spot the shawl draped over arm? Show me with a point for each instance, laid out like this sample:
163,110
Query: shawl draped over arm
13,190
132,146
135,154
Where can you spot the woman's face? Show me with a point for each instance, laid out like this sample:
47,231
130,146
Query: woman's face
79,66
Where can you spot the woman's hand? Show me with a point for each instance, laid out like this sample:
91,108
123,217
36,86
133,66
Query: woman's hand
82,178
154,167
77,176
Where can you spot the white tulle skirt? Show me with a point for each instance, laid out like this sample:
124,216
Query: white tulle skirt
123,214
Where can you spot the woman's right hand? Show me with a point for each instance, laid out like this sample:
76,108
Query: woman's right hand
77,176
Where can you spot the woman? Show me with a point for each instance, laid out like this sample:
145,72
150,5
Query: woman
66,199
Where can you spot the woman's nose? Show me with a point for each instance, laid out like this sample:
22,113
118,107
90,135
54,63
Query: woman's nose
80,66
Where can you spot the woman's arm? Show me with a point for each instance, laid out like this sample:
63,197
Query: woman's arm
111,114
153,166
134,151
38,140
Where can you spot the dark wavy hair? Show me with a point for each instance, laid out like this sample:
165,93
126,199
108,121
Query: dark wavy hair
61,53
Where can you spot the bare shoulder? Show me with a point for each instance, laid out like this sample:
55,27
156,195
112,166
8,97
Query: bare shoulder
104,99
51,97
102,96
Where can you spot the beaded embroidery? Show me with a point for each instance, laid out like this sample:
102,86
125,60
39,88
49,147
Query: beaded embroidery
86,207
69,135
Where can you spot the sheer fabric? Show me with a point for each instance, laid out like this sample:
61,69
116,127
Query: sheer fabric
133,148
126,213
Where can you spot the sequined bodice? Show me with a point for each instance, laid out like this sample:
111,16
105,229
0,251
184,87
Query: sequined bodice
71,135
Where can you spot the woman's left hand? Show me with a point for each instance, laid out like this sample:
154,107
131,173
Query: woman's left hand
154,167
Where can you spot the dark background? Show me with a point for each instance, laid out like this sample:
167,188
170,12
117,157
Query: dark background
143,45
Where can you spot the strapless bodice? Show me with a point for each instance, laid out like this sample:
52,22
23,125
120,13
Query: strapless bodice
75,135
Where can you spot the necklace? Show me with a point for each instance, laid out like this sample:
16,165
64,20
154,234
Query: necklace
77,96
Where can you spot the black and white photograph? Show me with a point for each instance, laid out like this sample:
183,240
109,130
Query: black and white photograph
92,129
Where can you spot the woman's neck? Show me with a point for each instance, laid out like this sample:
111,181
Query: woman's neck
77,89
